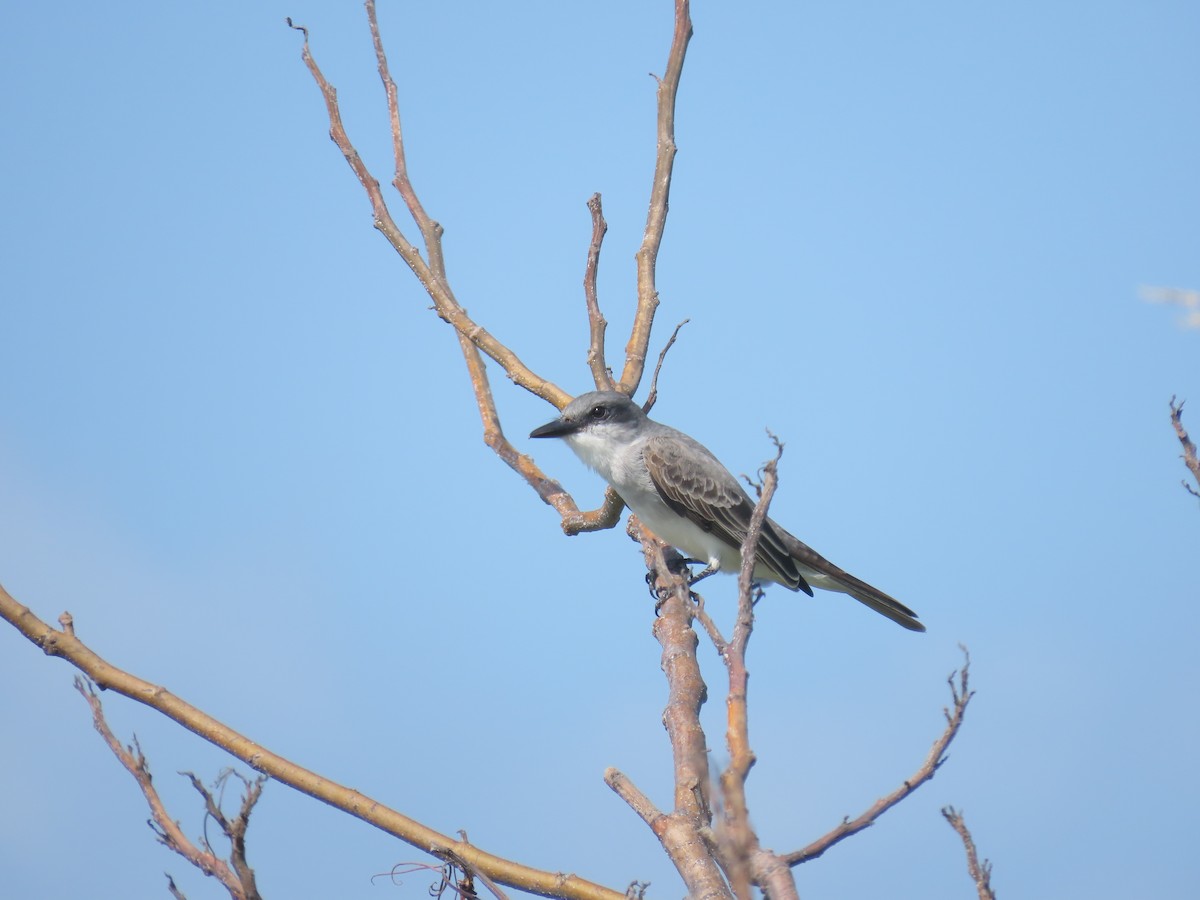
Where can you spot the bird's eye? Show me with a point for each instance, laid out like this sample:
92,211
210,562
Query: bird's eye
597,412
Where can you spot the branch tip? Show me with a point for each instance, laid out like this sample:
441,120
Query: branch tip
292,25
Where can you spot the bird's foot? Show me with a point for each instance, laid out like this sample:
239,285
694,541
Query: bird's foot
709,569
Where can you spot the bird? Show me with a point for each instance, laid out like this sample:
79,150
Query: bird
683,493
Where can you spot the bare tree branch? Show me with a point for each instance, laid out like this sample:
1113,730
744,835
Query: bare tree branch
601,374
1189,449
652,396
981,873
745,861
960,695
660,191
473,337
445,305
66,645
574,521
238,878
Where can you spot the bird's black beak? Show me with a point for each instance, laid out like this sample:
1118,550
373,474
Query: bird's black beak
557,428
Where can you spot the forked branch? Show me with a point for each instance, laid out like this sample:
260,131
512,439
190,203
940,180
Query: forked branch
473,338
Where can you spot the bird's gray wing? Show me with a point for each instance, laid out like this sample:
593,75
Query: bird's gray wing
694,484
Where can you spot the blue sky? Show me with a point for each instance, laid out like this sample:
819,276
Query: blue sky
237,446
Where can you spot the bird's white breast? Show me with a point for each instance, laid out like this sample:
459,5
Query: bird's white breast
625,470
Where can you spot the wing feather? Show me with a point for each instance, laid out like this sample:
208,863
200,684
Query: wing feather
709,496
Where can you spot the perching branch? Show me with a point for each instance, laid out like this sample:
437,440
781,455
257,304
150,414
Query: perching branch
685,833
981,873
66,645
1189,449
432,276
235,876
473,338
573,520
699,854
960,695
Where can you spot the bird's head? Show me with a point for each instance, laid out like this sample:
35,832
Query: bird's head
595,425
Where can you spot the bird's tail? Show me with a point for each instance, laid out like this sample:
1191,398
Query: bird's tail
876,600
821,573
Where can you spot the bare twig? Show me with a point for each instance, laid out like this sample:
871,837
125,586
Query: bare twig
624,788
746,863
597,325
108,677
1189,449
444,303
961,696
652,397
574,521
656,217
238,878
981,873
707,623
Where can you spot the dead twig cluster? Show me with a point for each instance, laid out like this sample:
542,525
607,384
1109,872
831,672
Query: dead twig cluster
1189,448
234,874
981,873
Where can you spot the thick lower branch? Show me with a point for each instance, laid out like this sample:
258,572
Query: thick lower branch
64,644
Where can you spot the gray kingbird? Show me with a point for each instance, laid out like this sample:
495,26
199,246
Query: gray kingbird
686,497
